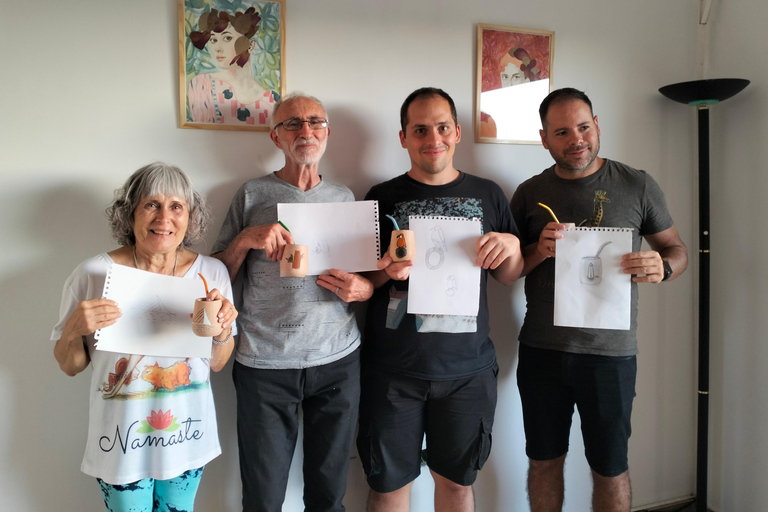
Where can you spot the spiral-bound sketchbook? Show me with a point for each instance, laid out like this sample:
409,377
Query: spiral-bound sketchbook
156,312
444,279
591,290
344,236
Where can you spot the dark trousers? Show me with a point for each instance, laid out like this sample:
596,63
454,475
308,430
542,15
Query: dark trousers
268,424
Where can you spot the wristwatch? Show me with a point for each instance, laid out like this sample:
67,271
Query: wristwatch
667,270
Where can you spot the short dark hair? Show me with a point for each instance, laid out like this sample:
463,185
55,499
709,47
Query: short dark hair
426,92
562,96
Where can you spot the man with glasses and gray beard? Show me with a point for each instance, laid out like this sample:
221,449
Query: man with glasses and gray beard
299,341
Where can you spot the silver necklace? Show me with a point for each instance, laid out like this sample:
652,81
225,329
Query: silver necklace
176,261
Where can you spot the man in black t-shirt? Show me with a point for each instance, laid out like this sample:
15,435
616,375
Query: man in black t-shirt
594,369
432,375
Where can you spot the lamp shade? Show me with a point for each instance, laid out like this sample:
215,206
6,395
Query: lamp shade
704,91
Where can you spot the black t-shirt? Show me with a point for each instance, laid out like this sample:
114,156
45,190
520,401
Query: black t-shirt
433,347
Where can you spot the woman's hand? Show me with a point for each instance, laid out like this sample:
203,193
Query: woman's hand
87,318
227,313
90,316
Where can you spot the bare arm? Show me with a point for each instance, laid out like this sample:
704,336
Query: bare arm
220,354
89,315
272,238
378,278
648,266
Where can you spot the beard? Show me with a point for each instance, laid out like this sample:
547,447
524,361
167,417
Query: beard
582,163
307,155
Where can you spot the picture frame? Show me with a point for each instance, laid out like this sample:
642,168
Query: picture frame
514,74
231,63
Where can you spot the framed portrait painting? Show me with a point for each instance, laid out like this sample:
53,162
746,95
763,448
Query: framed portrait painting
514,74
231,63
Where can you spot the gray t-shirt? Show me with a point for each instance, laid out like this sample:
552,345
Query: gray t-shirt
615,196
284,322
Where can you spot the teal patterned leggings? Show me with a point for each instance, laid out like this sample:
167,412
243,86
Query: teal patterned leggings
150,495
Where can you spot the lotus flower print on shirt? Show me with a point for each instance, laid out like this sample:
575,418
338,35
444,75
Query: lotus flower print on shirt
159,420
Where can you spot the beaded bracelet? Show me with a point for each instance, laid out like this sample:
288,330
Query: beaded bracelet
224,342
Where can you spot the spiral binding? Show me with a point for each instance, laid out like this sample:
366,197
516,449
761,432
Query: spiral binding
442,217
376,229
104,294
599,229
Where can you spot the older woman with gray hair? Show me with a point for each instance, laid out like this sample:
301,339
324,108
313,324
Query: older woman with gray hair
152,422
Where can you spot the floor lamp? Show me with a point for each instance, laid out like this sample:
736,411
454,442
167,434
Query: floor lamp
701,94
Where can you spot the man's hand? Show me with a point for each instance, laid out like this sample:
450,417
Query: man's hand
272,238
646,265
350,287
399,271
493,248
549,235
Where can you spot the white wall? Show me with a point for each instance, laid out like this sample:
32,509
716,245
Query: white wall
89,93
739,129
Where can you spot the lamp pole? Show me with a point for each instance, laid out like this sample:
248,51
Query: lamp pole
702,94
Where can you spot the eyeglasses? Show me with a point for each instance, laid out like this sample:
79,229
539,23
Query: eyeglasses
294,124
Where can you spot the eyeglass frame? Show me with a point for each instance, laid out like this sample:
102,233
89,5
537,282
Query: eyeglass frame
302,121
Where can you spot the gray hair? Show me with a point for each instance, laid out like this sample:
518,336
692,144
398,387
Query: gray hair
291,97
151,180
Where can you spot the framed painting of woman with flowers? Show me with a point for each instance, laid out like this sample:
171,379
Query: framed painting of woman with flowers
231,63
514,75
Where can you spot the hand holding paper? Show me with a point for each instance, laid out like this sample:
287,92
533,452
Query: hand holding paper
647,266
493,248
90,316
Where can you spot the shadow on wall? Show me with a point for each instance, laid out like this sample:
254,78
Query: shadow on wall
505,304
345,158
47,412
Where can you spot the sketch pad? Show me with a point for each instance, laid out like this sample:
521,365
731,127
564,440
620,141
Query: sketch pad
444,279
344,236
591,290
155,317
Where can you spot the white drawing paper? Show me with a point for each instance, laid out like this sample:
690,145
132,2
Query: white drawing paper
444,279
590,288
343,236
155,317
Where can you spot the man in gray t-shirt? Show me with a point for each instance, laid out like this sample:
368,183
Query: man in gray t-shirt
594,369
299,341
